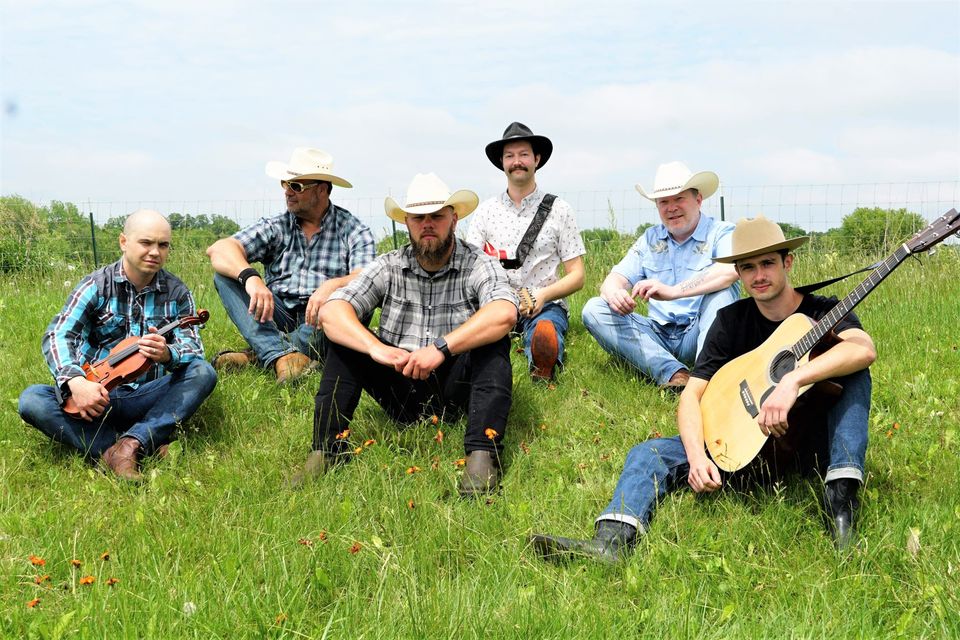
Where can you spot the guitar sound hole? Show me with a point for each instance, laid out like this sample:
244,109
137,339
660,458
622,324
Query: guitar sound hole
782,364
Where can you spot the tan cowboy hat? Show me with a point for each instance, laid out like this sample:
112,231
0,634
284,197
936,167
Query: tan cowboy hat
306,164
757,236
674,177
426,194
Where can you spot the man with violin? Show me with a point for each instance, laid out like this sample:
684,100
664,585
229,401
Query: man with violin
816,431
121,387
532,233
307,252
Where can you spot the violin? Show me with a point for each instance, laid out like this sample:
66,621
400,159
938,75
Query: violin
125,363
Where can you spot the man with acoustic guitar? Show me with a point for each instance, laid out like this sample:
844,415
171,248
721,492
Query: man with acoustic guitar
829,437
131,297
532,233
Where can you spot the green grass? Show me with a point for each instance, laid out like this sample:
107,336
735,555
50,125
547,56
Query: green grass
212,544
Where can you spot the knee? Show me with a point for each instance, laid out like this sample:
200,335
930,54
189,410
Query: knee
32,403
642,454
202,375
592,312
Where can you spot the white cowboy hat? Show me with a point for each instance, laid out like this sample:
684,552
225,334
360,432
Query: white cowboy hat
757,236
674,177
426,194
306,164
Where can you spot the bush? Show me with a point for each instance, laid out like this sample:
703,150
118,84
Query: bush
876,231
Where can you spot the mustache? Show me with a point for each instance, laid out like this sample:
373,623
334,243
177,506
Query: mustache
518,166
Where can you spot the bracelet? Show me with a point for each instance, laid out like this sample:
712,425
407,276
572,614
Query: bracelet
246,274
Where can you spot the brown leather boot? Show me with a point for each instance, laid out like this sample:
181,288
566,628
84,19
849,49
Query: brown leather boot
678,381
545,350
316,465
121,459
481,474
291,367
226,360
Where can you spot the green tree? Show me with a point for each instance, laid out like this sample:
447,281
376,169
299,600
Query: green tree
876,231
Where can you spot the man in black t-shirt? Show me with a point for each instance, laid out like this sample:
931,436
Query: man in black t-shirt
763,260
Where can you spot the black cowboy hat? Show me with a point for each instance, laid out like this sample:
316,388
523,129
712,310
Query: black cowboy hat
517,132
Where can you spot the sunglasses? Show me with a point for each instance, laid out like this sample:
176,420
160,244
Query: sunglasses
297,187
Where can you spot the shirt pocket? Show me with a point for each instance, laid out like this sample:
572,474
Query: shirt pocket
110,329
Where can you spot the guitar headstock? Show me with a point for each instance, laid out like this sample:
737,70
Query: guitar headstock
938,231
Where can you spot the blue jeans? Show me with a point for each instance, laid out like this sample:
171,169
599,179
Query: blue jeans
286,333
551,312
149,412
658,351
656,467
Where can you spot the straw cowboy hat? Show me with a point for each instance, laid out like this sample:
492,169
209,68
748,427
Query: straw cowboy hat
518,132
674,177
427,194
757,236
306,164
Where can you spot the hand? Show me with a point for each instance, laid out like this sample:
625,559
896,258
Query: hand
619,301
537,306
390,356
422,362
655,289
261,299
92,398
704,477
317,299
773,412
154,347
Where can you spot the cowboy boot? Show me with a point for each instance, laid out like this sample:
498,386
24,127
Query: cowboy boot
121,459
545,350
227,360
840,507
317,464
292,367
481,474
611,542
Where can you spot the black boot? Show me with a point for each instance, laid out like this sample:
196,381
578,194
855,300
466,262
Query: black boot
612,542
840,507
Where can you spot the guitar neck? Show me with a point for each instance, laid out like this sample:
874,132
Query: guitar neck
842,308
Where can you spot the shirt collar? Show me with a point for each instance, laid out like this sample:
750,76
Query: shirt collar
454,264
157,284
699,234
329,214
535,196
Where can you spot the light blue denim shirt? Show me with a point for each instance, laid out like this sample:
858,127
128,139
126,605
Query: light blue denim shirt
657,256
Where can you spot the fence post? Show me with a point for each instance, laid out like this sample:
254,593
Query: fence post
396,245
93,242
722,212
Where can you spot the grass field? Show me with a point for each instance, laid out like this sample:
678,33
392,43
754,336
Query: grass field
213,546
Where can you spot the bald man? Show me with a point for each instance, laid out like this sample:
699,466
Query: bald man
131,297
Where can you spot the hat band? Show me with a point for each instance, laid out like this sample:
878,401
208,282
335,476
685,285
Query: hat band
667,188
423,204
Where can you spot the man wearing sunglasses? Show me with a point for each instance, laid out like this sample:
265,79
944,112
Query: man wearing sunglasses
307,253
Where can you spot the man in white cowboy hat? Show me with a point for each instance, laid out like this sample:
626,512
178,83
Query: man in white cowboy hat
829,437
533,233
670,267
307,252
442,344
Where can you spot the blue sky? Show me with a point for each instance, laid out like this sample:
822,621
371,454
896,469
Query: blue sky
141,101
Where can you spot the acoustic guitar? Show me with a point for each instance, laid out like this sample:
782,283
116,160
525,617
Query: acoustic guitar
731,402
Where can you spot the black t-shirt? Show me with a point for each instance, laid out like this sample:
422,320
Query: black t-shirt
740,328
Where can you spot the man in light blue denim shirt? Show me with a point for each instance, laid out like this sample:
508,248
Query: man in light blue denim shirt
670,267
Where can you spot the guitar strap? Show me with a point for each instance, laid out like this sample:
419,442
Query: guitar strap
530,235
810,288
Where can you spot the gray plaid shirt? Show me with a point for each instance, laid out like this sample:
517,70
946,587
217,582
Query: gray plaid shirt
294,268
419,307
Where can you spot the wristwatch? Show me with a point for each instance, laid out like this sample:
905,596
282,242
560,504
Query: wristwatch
442,347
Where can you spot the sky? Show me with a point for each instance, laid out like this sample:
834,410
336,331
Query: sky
180,102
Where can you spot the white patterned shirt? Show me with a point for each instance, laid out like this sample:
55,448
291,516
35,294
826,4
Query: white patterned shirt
498,222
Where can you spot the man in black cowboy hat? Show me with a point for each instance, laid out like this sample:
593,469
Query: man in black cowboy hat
533,233
830,438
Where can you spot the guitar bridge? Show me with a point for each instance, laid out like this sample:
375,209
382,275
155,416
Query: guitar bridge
746,397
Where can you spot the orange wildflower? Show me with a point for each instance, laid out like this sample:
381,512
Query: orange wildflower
459,462
439,436
358,451
411,505
305,542
76,563
543,427
322,536
524,447
412,470
42,579
896,425
490,433
33,603
87,580
355,547
369,443
105,555
37,561
281,617
343,435
434,419
112,581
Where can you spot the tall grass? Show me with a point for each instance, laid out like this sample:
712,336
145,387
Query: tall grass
213,546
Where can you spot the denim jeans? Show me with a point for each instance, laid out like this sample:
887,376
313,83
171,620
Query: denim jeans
658,351
656,467
286,333
149,412
551,312
479,382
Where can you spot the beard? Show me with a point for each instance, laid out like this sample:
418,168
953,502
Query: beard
432,254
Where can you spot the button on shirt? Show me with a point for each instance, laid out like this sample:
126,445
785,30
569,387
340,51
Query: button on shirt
501,223
657,256
105,308
295,268
418,307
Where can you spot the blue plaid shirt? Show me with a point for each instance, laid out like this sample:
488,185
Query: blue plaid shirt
418,307
294,267
105,308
